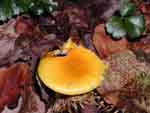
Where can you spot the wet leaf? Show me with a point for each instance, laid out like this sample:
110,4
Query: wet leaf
115,26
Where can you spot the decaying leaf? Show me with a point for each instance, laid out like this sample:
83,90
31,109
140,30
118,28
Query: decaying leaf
14,81
9,27
33,104
7,44
142,49
22,48
90,109
103,9
24,26
104,45
14,110
118,87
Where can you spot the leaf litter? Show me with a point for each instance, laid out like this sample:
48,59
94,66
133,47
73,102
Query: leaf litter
117,97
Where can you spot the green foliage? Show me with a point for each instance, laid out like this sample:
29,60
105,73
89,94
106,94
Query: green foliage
127,8
8,8
135,25
115,27
127,24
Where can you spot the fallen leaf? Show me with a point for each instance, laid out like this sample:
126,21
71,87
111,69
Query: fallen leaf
89,109
118,87
9,27
33,104
14,81
106,46
7,44
24,26
145,8
143,44
15,110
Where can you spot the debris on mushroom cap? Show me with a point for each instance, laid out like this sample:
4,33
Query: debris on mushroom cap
80,71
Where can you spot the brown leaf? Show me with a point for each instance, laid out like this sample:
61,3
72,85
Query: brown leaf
142,49
14,110
14,80
9,27
118,87
33,104
6,45
25,26
89,109
104,45
76,16
145,8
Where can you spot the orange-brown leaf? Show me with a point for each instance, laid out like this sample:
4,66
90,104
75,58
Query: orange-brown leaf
13,81
106,46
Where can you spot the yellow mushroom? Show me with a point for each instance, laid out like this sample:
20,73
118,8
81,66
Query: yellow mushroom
80,71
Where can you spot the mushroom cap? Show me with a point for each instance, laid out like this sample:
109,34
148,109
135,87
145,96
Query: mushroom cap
80,71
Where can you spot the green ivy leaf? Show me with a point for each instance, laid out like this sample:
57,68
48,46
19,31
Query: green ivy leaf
8,8
131,26
127,24
127,9
138,21
23,4
135,25
132,31
116,27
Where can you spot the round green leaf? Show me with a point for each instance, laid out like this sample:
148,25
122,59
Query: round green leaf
138,21
115,27
133,32
135,25
127,9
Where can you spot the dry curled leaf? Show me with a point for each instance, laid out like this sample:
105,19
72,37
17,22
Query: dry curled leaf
14,81
106,46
